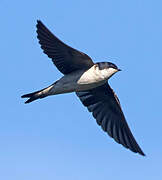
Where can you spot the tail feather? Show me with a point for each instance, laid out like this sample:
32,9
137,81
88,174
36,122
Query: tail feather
32,96
37,94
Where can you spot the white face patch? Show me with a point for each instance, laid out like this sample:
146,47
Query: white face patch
107,73
95,75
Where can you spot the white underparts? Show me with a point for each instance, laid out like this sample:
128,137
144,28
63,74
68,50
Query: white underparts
80,81
94,75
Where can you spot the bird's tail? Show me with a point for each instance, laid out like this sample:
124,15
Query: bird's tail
38,94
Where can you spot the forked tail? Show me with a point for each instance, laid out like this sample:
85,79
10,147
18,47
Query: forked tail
38,94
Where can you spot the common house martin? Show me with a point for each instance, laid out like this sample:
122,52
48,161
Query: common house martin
89,81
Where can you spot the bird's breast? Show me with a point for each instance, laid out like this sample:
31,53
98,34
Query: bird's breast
79,81
91,76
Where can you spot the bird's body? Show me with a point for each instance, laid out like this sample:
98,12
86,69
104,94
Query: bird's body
78,81
89,81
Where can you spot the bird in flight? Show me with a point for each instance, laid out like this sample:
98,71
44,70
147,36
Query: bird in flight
89,81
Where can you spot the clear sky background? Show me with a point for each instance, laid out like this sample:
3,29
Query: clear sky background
56,137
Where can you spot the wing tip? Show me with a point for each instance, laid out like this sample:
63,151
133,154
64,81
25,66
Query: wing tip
141,153
137,149
39,21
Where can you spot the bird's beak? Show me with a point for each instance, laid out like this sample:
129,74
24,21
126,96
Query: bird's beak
119,69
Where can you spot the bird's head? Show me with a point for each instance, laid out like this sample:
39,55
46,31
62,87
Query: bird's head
107,69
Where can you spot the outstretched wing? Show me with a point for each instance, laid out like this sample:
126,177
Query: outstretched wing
106,109
63,56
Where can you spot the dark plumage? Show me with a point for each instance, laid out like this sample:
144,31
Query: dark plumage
89,82
65,58
104,65
106,109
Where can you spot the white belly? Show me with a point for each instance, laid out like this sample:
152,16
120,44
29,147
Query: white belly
78,81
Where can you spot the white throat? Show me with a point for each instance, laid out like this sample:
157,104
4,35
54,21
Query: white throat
95,75
107,73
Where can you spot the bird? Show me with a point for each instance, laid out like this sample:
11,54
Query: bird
89,81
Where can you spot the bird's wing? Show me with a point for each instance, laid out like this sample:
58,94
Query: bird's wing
106,109
63,56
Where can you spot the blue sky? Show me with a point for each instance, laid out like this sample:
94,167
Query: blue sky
56,137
